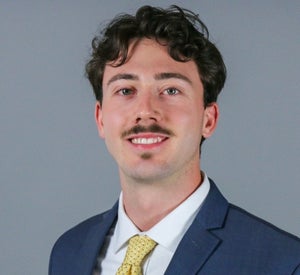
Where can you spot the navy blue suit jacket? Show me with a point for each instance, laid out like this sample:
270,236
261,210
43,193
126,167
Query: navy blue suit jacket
223,239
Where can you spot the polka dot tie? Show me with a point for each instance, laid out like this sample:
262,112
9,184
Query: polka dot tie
139,247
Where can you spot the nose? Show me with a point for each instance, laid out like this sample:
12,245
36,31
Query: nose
147,109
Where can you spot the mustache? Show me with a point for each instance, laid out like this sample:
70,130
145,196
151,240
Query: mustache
153,128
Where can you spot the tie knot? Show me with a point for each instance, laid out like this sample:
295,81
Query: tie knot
139,247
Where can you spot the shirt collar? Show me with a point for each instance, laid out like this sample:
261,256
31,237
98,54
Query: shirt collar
180,219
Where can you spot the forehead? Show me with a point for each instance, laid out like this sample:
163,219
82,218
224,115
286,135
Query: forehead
147,57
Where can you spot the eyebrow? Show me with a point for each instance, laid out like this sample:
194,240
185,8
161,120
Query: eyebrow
122,77
163,76
160,76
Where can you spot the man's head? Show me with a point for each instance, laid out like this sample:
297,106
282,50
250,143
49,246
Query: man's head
184,34
146,116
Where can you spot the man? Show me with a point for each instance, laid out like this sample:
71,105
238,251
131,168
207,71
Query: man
156,78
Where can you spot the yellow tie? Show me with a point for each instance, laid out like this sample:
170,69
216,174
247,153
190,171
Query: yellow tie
139,247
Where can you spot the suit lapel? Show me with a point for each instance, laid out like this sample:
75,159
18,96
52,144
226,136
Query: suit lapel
193,251
86,258
198,244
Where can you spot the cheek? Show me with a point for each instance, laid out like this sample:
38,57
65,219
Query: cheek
191,123
113,122
190,115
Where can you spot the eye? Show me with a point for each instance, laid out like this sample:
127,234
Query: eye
125,91
171,91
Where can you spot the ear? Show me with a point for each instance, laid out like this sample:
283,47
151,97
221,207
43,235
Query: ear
99,120
210,119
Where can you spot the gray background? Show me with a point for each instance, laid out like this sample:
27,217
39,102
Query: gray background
55,171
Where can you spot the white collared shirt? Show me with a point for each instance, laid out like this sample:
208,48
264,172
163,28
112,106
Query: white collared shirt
167,233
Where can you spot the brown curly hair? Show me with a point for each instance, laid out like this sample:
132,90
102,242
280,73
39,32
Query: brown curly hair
181,30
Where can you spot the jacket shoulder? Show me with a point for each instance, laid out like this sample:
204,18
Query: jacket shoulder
83,240
259,240
249,222
72,238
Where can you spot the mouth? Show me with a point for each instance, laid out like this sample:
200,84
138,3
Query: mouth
146,141
147,138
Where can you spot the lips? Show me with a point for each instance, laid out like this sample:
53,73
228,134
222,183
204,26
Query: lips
145,141
147,137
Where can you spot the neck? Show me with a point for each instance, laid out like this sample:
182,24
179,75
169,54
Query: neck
148,203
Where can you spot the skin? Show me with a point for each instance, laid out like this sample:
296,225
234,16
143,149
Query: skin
159,162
